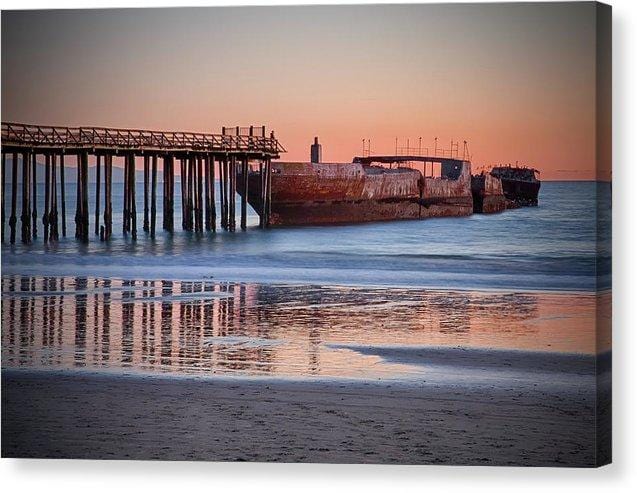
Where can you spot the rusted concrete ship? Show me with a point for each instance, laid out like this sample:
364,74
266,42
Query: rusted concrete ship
363,190
520,185
383,188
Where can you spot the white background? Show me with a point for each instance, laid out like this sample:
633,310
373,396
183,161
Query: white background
52,476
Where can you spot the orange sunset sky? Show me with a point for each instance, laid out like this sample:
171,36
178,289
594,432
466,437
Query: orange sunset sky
517,81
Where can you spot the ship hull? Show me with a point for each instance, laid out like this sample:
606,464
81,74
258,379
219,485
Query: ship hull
522,193
520,185
343,212
304,194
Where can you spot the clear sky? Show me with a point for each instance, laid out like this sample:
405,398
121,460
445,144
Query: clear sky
517,81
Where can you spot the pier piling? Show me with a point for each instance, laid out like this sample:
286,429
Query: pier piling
182,176
83,222
199,198
53,209
47,196
26,190
223,191
269,192
108,192
206,170
232,220
53,228
266,192
132,200
62,193
191,191
14,195
166,167
97,193
146,180
153,199
169,192
213,206
261,196
34,198
126,211
244,195
77,197
3,190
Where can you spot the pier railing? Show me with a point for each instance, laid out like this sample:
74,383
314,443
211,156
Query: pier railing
19,135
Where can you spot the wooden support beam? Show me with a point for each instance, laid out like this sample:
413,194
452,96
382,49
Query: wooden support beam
261,196
191,191
47,196
26,203
268,191
171,191
78,198
85,212
34,196
133,205
108,196
169,186
199,199
233,193
153,201
53,209
14,195
244,195
164,209
223,192
126,218
206,172
97,193
184,203
228,192
62,193
146,182
213,206
4,178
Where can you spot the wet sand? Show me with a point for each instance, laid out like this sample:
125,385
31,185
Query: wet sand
207,328
92,415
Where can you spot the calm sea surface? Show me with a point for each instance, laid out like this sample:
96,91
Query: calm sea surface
289,301
551,247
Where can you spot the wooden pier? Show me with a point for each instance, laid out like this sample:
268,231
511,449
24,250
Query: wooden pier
201,158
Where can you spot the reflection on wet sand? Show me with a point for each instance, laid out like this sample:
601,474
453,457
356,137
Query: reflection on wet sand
212,327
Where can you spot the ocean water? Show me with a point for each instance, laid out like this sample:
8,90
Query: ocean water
562,245
372,301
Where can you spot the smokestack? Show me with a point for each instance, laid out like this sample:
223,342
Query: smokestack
316,154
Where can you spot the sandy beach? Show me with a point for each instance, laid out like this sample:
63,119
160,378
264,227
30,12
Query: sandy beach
99,416
124,369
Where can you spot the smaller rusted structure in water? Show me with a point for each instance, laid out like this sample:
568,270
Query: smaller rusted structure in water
488,196
520,185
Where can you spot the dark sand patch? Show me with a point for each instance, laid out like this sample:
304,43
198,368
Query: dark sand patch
97,416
